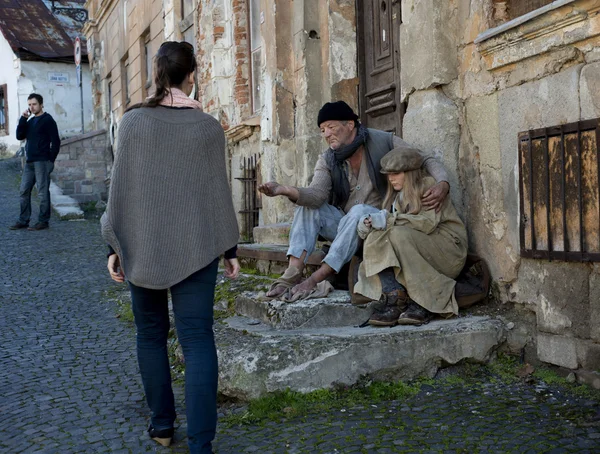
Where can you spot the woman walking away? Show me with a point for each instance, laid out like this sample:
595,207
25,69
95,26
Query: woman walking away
169,218
411,254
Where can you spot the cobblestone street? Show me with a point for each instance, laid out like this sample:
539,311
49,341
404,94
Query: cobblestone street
69,381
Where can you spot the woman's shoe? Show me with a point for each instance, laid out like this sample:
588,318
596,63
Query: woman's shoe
415,315
163,436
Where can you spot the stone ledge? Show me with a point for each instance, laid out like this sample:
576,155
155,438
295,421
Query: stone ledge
335,310
556,25
255,359
80,137
272,233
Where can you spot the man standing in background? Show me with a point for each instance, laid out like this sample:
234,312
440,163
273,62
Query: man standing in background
43,145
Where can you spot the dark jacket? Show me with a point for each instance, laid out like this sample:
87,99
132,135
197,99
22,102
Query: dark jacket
43,142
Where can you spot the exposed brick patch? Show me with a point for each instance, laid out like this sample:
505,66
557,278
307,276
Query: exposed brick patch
241,87
218,32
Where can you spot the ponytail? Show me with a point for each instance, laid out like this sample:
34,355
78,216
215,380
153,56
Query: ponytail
173,62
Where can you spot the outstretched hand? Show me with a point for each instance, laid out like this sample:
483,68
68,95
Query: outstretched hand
271,189
434,197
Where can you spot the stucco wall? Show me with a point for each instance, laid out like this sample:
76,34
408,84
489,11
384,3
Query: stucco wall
9,76
61,100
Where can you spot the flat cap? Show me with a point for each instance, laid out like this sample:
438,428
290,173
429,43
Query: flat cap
401,159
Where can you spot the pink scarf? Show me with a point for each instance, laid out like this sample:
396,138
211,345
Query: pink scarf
177,98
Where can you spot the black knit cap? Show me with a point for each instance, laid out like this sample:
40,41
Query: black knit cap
339,111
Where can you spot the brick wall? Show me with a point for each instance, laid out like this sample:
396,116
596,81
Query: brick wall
81,168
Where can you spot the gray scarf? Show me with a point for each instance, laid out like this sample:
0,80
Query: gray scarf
335,161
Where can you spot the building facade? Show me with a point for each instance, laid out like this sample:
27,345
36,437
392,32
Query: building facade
123,36
505,93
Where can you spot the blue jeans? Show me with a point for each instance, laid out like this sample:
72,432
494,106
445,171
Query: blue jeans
36,172
193,309
333,225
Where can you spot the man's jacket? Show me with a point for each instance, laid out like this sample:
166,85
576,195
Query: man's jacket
43,141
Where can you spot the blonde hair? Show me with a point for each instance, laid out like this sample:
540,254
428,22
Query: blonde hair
408,200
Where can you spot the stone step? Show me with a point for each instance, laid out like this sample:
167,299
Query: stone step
255,358
65,207
272,233
335,310
272,258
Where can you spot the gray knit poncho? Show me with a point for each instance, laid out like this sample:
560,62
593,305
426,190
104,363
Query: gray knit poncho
169,210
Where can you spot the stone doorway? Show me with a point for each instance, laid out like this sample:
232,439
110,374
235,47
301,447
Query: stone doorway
378,36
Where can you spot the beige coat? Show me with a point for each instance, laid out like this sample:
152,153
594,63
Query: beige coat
427,251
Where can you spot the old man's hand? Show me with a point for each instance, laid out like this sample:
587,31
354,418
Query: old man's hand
434,197
271,189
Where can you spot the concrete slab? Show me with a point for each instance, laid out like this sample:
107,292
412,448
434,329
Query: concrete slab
255,359
335,310
66,207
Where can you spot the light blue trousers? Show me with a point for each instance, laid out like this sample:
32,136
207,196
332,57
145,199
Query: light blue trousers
333,225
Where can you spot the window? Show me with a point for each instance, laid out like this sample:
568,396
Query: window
517,8
560,192
109,95
147,58
125,16
125,80
187,7
255,54
186,25
4,127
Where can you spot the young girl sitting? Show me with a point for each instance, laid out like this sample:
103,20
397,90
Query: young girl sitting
411,255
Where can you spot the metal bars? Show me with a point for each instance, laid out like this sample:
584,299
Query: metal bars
559,192
250,199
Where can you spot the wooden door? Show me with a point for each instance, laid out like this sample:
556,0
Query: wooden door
378,35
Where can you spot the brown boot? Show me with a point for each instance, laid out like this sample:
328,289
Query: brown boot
415,315
388,309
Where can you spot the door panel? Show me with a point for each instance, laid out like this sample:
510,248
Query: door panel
379,64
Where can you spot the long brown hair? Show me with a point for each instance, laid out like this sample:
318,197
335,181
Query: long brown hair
409,198
173,62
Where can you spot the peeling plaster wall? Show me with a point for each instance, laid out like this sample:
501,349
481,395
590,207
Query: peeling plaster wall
296,77
467,102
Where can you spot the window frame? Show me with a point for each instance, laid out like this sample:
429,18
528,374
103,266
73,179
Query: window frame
147,71
254,87
6,130
125,81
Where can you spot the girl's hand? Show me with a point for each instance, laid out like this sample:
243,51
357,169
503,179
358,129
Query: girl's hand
232,268
114,268
368,222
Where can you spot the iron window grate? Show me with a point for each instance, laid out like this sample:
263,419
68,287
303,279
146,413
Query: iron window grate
559,186
250,200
